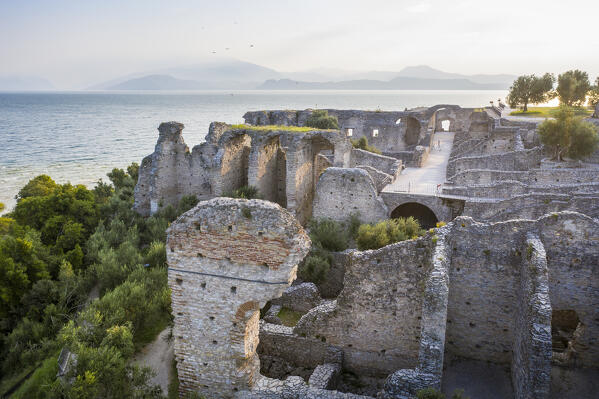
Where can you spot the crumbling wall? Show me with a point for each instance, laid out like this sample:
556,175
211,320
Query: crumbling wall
516,160
268,169
164,176
227,258
376,320
234,154
388,165
532,176
341,192
531,359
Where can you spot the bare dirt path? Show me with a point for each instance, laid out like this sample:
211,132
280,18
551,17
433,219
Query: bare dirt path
158,355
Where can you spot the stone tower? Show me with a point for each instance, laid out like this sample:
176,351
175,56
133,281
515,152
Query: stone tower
227,258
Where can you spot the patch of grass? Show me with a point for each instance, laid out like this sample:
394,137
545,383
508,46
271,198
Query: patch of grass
548,112
149,334
270,128
289,317
9,382
40,380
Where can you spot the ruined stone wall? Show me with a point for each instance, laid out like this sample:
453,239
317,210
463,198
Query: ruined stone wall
341,192
385,164
227,258
531,206
164,176
515,160
512,188
376,320
531,359
483,300
570,242
234,154
267,169
533,176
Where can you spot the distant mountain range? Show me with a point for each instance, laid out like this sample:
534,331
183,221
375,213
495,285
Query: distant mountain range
235,74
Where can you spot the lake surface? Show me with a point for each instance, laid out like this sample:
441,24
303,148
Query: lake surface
80,136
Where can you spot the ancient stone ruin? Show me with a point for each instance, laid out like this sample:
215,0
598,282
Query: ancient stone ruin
502,301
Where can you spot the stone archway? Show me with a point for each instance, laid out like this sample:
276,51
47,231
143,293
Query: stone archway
425,216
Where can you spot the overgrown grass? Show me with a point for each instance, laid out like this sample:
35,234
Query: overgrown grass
289,317
548,112
270,128
387,232
39,381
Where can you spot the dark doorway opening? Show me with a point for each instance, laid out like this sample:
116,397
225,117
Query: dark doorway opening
425,216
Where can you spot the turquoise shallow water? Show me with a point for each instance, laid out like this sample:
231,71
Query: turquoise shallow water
80,136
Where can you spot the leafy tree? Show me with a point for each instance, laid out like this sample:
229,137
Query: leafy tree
572,87
1,206
362,144
567,135
247,192
39,186
320,119
530,89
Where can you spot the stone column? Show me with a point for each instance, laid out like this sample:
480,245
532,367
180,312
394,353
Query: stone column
227,258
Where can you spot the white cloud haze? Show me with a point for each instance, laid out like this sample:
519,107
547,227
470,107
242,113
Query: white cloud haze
78,43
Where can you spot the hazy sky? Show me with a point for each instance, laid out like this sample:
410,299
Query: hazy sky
80,42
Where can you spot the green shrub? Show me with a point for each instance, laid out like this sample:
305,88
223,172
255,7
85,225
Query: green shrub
362,144
186,203
246,192
320,119
387,232
328,234
315,267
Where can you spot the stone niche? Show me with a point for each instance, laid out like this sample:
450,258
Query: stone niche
227,258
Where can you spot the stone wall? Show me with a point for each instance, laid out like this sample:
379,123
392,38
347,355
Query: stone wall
533,176
515,160
388,165
341,192
531,359
226,259
376,320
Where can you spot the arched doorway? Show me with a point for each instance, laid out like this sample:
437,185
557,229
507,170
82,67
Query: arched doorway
425,216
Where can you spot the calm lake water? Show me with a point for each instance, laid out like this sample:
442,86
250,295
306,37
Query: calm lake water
80,136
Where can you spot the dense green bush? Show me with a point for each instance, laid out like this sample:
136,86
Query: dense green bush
387,232
320,119
362,144
316,266
328,234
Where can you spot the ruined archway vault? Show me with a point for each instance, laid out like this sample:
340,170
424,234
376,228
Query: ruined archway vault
226,258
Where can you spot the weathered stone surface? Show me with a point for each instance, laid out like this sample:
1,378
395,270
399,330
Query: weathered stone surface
343,191
226,259
300,298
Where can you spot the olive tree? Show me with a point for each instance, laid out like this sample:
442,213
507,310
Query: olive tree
572,87
568,135
530,89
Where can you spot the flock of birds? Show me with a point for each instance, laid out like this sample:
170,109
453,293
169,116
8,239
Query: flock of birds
227,48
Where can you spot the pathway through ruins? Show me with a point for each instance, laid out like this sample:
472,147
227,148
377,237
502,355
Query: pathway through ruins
426,179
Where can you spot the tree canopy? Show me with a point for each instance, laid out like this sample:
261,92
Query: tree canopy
530,89
568,135
572,87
